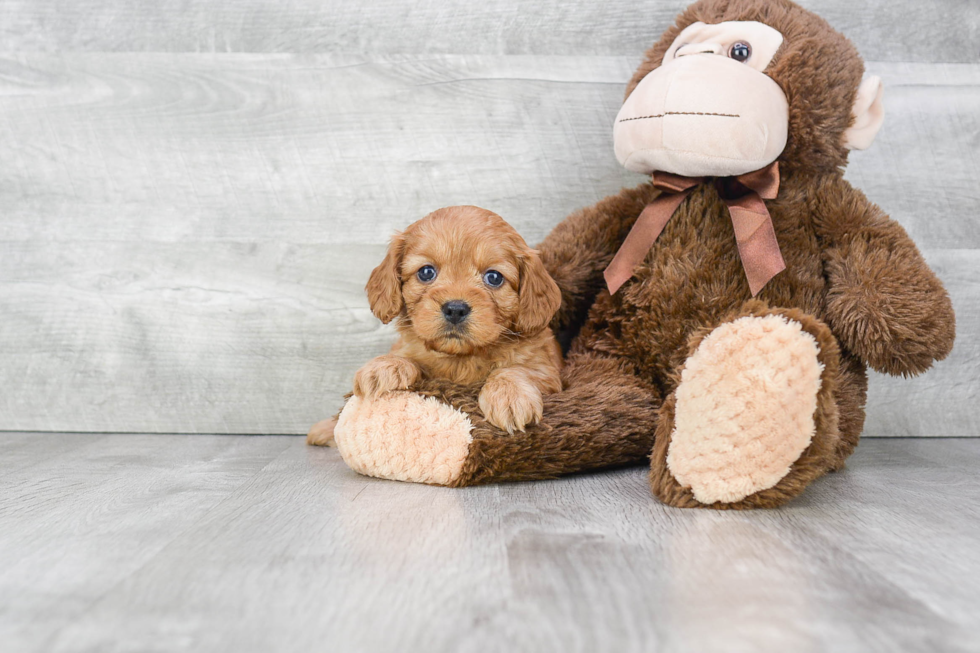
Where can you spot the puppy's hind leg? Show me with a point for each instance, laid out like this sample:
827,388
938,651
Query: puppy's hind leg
321,433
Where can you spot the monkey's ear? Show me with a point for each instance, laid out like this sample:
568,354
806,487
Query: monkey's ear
384,287
539,295
868,113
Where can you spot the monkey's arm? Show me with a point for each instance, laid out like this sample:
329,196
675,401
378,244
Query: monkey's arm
883,301
580,247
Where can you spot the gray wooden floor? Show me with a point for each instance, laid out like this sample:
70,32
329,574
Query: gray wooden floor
260,543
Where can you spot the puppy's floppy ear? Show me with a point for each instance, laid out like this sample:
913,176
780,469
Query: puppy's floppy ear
384,287
539,296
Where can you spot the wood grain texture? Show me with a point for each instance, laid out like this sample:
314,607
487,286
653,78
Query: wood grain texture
208,543
897,30
330,149
217,337
185,236
304,149
107,505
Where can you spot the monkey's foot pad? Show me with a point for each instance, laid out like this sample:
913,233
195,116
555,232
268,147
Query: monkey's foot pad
745,408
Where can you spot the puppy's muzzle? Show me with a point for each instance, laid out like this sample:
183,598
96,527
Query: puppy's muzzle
455,311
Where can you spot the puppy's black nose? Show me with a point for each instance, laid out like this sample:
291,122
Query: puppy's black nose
455,311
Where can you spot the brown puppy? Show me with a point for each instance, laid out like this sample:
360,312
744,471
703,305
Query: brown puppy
473,303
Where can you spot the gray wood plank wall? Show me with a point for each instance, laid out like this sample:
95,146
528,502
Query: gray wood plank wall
192,194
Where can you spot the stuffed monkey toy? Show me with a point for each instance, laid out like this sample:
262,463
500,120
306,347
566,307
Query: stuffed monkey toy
720,318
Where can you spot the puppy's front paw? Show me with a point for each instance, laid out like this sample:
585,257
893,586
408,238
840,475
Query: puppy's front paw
510,401
384,374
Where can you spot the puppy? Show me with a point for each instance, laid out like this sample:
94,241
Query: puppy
473,304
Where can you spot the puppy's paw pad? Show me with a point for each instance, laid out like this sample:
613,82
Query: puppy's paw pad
511,402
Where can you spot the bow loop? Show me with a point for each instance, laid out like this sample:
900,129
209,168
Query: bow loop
670,183
754,233
764,181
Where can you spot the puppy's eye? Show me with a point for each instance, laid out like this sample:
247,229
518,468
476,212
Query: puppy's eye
740,51
426,273
493,278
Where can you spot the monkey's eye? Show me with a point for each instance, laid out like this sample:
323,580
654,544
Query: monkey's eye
493,278
426,273
741,51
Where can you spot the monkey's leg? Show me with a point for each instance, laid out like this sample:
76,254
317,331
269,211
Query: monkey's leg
754,418
851,393
605,417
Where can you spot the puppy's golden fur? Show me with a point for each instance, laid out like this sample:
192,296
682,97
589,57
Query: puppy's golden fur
503,342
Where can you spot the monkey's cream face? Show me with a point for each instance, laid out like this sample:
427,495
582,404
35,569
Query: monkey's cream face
709,109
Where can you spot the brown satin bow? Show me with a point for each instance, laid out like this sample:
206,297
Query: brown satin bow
754,233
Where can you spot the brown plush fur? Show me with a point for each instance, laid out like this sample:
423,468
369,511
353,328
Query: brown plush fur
503,344
853,280
605,417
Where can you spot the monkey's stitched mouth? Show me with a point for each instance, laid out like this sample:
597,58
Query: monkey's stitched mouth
682,113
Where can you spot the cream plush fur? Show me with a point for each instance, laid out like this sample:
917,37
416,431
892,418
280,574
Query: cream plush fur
699,38
745,408
404,437
869,114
